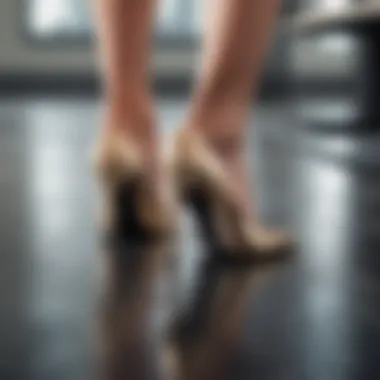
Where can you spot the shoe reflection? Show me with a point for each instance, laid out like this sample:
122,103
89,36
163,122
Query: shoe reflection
204,337
197,342
129,344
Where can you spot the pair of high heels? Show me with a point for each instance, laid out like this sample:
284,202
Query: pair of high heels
135,207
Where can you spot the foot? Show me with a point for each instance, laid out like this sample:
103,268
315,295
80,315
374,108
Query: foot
232,157
139,148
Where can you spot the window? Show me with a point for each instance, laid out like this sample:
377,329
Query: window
49,19
333,4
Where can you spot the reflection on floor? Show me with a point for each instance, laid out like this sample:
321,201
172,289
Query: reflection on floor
314,316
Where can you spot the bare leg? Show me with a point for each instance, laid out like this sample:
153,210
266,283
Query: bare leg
129,140
238,33
125,30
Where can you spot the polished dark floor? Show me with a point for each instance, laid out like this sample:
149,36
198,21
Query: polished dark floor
171,312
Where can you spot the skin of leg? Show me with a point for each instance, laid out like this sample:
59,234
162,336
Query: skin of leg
125,29
238,34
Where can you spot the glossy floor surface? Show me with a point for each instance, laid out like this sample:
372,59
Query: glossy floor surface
171,312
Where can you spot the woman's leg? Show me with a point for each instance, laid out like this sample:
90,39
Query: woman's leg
125,32
238,33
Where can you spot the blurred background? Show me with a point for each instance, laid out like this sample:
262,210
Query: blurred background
50,46
50,43
315,162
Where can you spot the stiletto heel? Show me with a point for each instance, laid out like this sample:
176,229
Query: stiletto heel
132,207
203,184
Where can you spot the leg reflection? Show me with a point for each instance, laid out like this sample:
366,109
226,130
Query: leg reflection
128,340
204,338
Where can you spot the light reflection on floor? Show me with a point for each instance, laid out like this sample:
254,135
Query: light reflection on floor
311,316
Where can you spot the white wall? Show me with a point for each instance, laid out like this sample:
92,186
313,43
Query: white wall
18,55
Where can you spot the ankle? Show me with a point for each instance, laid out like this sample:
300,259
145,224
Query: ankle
135,117
224,129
